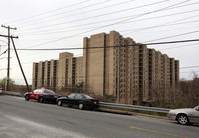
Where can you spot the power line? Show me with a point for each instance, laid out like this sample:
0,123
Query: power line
167,24
3,58
104,7
125,9
89,11
164,30
3,41
189,72
70,11
168,42
158,43
0,49
3,69
168,15
189,67
86,18
124,31
30,17
114,23
173,36
180,46
141,29
136,30
166,9
174,47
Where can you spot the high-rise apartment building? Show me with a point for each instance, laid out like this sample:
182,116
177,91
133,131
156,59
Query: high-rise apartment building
112,65
58,74
133,73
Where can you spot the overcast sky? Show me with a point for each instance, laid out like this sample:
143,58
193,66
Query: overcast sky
64,23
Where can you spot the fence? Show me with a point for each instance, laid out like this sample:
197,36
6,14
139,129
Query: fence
13,93
114,105
135,107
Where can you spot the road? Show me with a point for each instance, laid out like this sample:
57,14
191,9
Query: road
30,119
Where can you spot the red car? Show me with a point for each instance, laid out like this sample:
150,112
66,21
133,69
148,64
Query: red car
42,95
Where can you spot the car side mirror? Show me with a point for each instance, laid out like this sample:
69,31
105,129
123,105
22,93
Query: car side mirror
197,109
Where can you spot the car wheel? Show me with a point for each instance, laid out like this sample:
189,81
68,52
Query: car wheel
27,98
81,106
182,119
41,99
59,103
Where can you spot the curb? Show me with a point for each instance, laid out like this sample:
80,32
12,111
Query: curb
152,116
114,111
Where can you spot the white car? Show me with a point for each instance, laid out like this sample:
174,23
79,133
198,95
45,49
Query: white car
1,91
185,115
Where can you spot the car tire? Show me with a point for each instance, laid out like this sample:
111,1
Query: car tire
41,99
59,103
182,119
81,106
27,98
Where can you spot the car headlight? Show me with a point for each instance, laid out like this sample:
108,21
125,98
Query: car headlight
171,112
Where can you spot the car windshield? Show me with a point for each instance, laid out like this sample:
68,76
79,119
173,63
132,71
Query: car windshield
49,91
88,97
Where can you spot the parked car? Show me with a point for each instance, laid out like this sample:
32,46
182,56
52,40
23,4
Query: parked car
1,90
185,115
42,95
79,100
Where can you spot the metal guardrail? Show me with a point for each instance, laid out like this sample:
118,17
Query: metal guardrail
13,93
135,107
114,105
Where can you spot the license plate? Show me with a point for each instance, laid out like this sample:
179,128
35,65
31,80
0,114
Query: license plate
95,102
55,96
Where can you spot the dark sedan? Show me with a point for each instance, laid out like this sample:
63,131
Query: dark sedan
79,100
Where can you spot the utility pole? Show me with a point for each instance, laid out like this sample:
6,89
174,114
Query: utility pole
20,64
0,48
8,68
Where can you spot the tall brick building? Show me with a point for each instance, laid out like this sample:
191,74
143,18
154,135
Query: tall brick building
112,65
130,73
58,74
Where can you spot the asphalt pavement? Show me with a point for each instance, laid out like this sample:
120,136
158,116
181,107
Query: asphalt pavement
30,119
